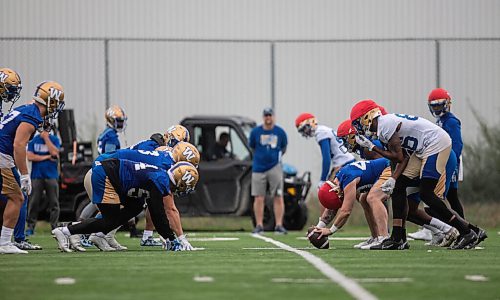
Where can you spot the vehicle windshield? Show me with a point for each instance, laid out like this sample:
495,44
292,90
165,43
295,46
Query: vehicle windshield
247,128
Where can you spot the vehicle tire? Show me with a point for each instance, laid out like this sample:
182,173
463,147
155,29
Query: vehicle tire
298,219
80,207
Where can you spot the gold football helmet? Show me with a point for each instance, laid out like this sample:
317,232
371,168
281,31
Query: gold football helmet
51,95
10,85
184,151
363,123
306,124
116,118
175,134
184,176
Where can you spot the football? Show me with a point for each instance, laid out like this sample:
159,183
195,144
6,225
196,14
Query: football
321,243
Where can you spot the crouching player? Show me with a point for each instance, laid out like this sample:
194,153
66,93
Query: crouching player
121,187
350,183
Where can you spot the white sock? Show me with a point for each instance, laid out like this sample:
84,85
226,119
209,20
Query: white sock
65,230
112,232
146,234
6,235
440,225
433,229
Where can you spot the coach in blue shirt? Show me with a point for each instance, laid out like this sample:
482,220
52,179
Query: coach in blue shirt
268,142
43,152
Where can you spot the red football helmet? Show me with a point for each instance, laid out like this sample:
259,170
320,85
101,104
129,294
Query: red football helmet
439,102
306,124
363,113
329,196
347,133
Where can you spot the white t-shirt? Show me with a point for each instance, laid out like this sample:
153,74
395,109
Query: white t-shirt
339,158
417,134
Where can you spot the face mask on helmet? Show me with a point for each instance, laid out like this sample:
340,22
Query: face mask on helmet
439,107
184,177
176,134
307,129
116,118
10,85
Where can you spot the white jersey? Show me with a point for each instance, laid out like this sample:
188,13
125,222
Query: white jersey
339,157
417,135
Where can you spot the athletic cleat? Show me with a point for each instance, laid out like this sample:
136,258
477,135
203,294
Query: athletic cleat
100,243
113,243
84,241
62,239
26,245
450,237
280,230
151,242
75,243
390,244
258,230
376,241
437,239
464,240
364,243
481,236
11,249
423,234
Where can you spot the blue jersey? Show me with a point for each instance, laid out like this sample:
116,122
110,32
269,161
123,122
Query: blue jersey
367,171
451,124
28,113
108,141
147,145
136,176
160,159
268,146
45,169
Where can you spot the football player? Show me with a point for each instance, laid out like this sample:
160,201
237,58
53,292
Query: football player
331,146
348,135
116,122
173,135
10,88
339,195
430,158
16,129
182,151
439,102
121,187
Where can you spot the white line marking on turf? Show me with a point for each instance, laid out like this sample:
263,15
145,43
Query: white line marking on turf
351,286
276,248
476,278
203,279
215,239
384,280
65,280
321,280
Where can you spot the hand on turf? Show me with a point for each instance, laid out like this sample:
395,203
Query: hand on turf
388,186
364,142
322,232
26,184
185,245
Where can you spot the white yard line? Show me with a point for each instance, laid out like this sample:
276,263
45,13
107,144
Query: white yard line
351,286
214,239
322,280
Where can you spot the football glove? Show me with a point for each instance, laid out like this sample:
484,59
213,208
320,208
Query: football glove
26,184
364,142
388,186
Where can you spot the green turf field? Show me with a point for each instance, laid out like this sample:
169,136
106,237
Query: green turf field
241,273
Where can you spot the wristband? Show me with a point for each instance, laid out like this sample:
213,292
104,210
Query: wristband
333,229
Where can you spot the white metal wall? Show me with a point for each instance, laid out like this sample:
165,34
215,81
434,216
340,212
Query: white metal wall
169,59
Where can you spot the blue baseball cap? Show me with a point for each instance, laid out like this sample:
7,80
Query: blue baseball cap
268,111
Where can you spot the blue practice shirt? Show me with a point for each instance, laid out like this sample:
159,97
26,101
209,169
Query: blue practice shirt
268,146
160,159
147,145
45,169
108,141
451,124
28,113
